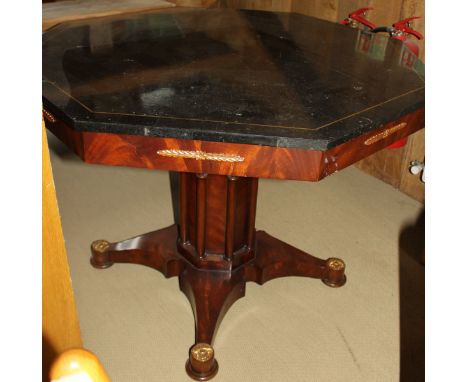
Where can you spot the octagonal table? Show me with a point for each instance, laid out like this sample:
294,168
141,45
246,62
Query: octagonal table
222,98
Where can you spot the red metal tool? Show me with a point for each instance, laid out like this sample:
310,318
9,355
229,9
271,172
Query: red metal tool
358,17
401,31
405,27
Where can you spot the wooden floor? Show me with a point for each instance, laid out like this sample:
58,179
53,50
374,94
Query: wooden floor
294,329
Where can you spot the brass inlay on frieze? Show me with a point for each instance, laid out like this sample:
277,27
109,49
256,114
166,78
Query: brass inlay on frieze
335,264
100,245
48,115
384,134
202,352
200,155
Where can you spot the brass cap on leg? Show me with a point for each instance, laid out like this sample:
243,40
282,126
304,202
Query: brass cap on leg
99,254
334,272
201,364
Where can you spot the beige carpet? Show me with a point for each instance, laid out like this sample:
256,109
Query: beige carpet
294,329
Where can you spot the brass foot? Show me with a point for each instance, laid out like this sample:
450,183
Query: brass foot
201,364
99,254
334,274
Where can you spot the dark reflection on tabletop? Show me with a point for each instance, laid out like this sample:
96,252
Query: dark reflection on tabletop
248,67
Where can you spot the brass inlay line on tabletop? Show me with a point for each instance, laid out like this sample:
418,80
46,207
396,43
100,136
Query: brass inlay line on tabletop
233,122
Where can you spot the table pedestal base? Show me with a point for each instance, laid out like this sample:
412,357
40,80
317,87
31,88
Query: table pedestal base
212,282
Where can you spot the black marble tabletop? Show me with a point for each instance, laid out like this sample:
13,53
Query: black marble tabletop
253,77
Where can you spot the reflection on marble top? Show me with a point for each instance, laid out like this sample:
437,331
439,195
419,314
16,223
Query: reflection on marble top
239,76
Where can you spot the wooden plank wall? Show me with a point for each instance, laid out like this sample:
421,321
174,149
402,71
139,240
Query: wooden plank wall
385,12
67,10
270,5
197,3
389,165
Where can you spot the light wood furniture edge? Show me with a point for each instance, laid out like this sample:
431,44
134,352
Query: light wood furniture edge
60,326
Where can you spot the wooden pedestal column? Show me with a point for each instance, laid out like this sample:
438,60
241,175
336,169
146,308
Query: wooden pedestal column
217,220
215,250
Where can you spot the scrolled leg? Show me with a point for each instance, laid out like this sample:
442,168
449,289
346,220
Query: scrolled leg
275,258
211,294
155,249
215,250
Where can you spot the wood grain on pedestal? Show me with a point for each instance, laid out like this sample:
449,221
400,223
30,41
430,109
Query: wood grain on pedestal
220,253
